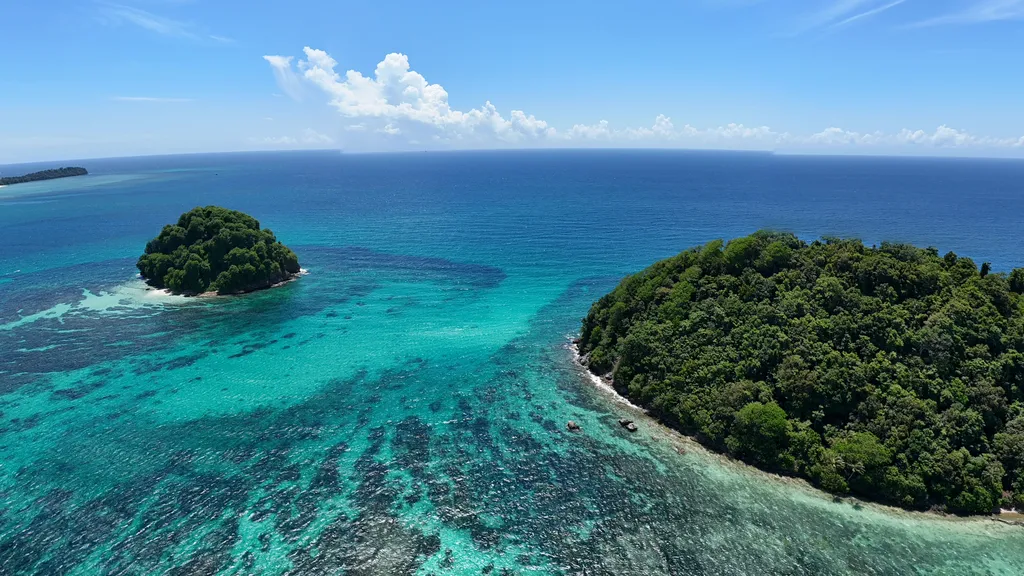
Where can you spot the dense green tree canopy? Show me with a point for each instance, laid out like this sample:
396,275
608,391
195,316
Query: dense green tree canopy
44,175
891,373
214,249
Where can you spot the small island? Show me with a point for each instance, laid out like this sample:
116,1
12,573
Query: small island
44,175
216,250
888,372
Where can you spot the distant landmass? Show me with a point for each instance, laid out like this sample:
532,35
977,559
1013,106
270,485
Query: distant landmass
44,175
888,372
216,250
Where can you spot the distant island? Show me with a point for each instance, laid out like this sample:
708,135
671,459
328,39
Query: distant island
890,373
216,250
44,175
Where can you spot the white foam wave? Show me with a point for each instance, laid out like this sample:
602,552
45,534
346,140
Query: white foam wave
599,382
128,297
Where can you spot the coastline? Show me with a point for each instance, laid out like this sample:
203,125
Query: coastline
44,175
684,443
165,292
602,382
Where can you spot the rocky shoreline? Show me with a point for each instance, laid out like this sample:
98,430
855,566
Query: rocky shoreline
606,384
289,278
603,382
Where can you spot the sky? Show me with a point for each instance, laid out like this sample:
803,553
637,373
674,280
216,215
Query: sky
85,79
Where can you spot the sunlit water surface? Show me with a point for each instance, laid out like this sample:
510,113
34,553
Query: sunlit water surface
402,409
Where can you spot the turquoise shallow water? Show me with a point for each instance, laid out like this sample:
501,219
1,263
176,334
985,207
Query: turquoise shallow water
401,409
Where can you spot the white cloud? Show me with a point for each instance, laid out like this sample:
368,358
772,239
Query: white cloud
832,12
397,100
596,132
396,106
286,78
275,140
739,132
835,13
116,14
866,14
942,137
979,12
309,137
403,101
839,137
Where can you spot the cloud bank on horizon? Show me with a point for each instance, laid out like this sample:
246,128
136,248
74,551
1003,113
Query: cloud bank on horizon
397,108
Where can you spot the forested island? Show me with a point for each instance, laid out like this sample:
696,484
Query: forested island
890,372
214,249
44,175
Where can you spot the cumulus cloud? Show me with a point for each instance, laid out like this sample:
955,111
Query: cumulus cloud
401,101
597,131
309,137
274,140
837,136
396,106
942,137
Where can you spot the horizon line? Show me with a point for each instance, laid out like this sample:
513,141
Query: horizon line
340,152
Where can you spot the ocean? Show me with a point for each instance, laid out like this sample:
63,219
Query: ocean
402,408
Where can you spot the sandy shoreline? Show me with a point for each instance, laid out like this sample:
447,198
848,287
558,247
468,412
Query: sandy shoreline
688,442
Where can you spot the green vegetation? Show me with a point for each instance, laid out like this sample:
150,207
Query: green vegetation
214,249
890,373
44,175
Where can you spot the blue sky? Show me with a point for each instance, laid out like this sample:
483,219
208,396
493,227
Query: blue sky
86,79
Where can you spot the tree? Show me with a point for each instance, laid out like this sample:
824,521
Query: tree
861,459
214,249
760,433
1017,280
889,372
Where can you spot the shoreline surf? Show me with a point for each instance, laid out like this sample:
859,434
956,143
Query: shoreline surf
1005,516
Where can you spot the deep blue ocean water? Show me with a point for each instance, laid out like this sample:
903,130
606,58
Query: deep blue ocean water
401,409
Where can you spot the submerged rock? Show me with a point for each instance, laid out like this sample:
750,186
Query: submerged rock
631,427
624,422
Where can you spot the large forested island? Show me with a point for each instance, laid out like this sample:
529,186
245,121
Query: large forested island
214,249
44,175
891,373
